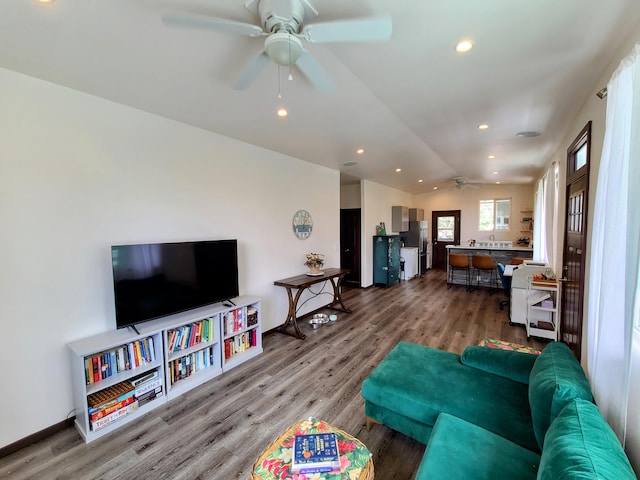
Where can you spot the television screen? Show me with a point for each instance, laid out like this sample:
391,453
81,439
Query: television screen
155,280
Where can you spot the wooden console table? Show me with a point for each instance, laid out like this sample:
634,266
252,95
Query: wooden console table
302,282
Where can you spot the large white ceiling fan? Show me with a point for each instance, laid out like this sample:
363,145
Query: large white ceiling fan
462,183
282,22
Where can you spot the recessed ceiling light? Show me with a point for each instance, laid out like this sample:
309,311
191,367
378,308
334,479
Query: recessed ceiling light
45,1
435,188
398,169
350,164
497,183
282,112
495,173
483,126
464,46
528,134
420,181
360,151
491,156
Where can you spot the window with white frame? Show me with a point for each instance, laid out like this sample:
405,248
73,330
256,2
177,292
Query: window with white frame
494,214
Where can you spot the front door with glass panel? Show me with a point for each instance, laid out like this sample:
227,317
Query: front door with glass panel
446,231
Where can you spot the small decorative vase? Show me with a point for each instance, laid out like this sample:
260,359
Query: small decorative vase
314,270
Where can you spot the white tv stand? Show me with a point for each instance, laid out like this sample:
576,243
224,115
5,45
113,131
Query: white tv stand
179,369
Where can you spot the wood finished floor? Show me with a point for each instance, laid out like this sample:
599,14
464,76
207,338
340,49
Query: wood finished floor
216,431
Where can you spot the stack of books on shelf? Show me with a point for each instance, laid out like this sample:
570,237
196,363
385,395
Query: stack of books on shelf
234,321
116,401
252,316
190,335
147,387
187,365
240,343
102,365
108,405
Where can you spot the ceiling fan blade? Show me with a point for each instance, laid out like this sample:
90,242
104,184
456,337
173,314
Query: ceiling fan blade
372,29
206,22
315,73
251,71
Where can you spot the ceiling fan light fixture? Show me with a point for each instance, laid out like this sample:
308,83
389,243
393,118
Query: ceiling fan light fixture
529,134
283,48
282,112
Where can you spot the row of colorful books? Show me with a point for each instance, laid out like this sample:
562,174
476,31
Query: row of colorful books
190,335
240,343
234,321
187,365
113,403
125,357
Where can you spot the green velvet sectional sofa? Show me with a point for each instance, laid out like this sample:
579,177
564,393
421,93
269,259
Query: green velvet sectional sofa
493,413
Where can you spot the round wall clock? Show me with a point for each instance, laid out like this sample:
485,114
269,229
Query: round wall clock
302,224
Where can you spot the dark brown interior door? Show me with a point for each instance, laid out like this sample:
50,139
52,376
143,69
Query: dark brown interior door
445,231
575,239
350,244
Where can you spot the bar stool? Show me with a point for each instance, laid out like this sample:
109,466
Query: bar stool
484,263
458,261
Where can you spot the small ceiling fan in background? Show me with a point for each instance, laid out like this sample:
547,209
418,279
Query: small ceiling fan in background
461,183
282,22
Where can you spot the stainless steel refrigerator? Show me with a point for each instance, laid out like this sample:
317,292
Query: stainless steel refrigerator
418,236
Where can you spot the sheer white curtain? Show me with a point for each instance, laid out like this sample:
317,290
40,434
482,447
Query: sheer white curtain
545,214
540,223
613,288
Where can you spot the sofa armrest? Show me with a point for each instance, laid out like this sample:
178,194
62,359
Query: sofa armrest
515,366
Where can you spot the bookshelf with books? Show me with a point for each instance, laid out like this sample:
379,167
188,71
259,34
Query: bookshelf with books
119,376
242,333
192,354
107,371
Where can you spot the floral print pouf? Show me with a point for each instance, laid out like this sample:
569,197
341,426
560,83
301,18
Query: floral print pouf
501,344
275,462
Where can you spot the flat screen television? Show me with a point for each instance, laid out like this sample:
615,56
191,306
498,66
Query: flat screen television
156,280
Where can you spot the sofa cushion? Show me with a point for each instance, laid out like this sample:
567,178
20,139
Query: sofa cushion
459,450
419,383
580,445
556,379
506,363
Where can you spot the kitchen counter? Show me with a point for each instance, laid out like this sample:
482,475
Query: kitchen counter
502,255
476,247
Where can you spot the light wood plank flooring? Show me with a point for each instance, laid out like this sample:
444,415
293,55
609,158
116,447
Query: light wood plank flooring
217,430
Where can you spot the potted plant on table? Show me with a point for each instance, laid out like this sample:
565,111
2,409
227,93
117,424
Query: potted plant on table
315,261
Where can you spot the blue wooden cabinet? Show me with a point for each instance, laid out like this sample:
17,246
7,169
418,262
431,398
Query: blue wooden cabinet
386,259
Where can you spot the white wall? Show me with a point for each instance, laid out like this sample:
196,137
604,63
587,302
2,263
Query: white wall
350,196
78,174
377,201
467,201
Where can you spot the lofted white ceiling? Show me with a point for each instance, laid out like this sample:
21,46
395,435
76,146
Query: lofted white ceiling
411,102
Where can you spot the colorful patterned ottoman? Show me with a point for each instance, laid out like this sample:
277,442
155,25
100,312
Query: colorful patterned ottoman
275,462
